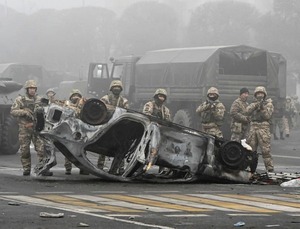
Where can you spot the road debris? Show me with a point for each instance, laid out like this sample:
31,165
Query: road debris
239,224
51,215
13,203
83,225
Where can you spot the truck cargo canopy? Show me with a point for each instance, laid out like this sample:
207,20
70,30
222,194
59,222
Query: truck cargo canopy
204,66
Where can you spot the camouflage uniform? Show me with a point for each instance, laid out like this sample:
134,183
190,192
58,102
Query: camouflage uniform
155,109
261,111
212,114
297,106
49,145
23,109
277,119
290,111
115,99
76,105
239,120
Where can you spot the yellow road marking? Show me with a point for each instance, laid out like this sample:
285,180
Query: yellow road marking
161,204
263,200
77,202
219,203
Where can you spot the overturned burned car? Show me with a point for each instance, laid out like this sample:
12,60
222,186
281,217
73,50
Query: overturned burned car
143,144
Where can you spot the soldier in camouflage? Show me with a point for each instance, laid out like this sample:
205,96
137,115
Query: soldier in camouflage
297,106
290,112
114,99
277,118
76,102
239,120
212,113
156,106
260,111
50,93
23,109
157,109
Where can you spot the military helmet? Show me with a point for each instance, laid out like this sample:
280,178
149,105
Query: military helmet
260,89
50,90
116,83
213,90
160,91
288,98
30,83
75,91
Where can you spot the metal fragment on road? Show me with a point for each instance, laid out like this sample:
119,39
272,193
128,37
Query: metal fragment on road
51,215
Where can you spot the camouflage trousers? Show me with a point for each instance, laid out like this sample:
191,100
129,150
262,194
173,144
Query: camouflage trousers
278,122
26,136
286,125
259,135
213,129
238,136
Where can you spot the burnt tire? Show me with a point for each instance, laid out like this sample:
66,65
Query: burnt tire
232,155
10,136
183,117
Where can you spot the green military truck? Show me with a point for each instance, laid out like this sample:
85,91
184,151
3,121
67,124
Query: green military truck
9,141
187,73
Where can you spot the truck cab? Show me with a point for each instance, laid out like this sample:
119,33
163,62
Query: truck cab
122,68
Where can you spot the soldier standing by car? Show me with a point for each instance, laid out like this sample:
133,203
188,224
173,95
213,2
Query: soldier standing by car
157,109
23,109
212,113
50,93
76,102
115,99
156,106
239,120
260,111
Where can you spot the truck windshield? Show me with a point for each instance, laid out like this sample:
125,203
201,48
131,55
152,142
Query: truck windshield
99,72
118,71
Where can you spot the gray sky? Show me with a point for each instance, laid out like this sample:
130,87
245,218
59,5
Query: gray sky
31,6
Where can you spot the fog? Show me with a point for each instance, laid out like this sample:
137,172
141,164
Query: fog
66,35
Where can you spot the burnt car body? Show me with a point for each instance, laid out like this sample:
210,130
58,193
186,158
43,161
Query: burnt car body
143,143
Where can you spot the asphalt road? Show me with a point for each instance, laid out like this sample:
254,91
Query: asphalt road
88,201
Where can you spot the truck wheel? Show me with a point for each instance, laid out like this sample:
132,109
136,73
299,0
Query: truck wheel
10,136
183,117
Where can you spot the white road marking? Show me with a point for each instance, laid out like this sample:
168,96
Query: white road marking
110,192
161,191
76,209
66,192
248,202
281,198
188,215
250,214
285,156
185,203
123,215
125,204
46,203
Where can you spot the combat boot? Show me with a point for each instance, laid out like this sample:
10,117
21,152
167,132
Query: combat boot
47,173
281,136
26,172
83,172
275,137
